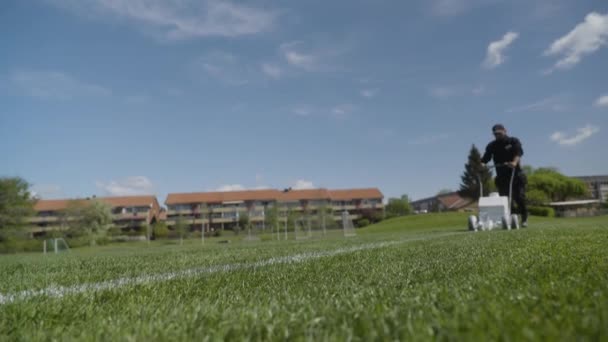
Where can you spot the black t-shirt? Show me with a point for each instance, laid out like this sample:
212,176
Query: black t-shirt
503,151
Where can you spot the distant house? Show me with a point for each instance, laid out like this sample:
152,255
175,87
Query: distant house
576,208
445,202
221,210
598,186
128,212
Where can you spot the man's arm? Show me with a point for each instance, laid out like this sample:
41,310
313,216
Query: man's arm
518,150
514,162
487,155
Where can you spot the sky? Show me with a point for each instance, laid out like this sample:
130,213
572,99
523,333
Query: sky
124,97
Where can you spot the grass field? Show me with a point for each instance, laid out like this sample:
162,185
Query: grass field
420,277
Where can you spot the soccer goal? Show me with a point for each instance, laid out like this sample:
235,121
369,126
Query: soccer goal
302,229
347,225
57,245
253,233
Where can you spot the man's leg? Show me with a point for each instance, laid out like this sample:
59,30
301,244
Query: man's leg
523,206
519,197
502,185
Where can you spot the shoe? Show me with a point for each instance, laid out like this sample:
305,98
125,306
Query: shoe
524,224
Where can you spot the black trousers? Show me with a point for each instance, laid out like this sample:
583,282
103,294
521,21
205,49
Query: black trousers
518,194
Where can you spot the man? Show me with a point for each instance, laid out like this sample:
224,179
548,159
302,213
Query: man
507,152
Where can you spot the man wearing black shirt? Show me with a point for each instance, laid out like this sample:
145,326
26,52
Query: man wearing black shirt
507,152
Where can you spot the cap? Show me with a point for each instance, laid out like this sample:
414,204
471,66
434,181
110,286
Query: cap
498,127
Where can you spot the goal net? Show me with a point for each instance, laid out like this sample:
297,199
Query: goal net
302,229
56,246
347,225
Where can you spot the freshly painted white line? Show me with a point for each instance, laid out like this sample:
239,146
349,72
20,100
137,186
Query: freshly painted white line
62,291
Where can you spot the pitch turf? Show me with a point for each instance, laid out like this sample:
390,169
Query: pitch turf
420,277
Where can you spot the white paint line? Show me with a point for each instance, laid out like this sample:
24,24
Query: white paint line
61,291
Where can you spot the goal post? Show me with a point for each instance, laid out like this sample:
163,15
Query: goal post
55,245
347,225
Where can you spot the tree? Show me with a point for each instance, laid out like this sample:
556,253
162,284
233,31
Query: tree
97,219
243,222
473,171
160,230
16,205
91,218
205,214
549,184
181,228
325,218
272,217
398,207
537,197
292,217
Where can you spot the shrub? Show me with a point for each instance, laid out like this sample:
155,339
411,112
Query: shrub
135,232
20,245
160,230
362,223
114,231
542,211
537,197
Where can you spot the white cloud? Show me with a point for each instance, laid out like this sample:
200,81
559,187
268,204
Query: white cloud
339,111
231,187
174,92
443,92
456,7
554,103
54,85
369,93
272,70
302,184
581,135
295,57
181,19
479,90
303,111
495,54
585,39
343,110
46,191
602,101
429,139
224,67
137,99
136,185
317,57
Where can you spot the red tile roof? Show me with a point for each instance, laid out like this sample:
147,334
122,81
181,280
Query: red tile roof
454,201
307,194
351,194
220,197
272,195
122,201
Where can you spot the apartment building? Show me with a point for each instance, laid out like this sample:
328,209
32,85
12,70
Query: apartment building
128,212
597,185
221,210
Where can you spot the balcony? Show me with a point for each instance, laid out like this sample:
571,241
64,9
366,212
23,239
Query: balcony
351,217
40,219
344,207
179,212
130,216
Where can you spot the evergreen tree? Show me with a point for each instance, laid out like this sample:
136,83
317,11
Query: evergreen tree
473,171
16,205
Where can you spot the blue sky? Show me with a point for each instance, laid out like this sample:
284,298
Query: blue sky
114,97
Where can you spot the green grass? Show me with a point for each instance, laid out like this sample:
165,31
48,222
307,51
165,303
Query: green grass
432,281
